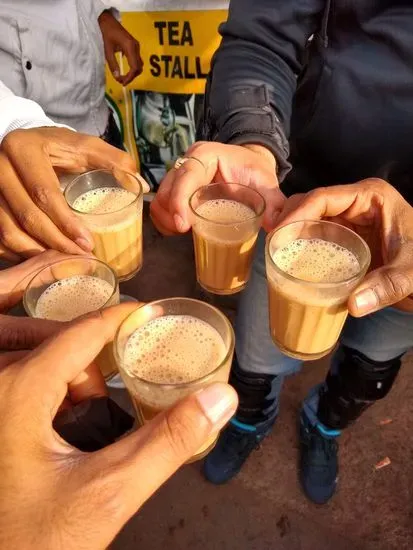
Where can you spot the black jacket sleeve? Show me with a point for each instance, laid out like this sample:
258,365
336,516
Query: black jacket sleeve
250,89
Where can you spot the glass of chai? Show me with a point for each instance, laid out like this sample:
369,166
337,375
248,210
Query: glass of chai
312,267
70,288
109,203
226,221
170,348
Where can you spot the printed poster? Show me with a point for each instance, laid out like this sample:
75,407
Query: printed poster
157,113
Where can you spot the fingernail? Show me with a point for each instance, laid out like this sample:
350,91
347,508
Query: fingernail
218,402
145,185
366,300
179,223
116,73
86,244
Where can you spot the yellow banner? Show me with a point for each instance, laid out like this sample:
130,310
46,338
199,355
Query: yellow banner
156,112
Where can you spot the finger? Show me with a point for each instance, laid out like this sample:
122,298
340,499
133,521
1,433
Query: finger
11,357
18,333
192,175
145,185
73,349
160,206
7,255
274,200
383,287
12,237
132,53
326,202
30,218
88,384
15,279
112,62
143,461
289,206
37,175
132,182
77,152
162,219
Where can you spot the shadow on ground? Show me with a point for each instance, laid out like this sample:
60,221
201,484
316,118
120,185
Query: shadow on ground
263,508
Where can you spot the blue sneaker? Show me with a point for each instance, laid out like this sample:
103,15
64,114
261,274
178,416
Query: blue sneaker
233,447
318,461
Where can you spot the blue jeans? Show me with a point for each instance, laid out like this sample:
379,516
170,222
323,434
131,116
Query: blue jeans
381,336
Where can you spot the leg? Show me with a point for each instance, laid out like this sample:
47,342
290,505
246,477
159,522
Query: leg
257,374
363,370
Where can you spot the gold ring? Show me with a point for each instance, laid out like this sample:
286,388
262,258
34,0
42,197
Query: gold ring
181,160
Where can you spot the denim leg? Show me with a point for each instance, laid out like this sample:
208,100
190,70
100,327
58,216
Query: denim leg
381,338
258,361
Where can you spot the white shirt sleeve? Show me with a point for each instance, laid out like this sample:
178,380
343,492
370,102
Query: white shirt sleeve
99,6
19,113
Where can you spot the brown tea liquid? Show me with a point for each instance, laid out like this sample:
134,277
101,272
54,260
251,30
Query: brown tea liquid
117,238
306,322
224,253
173,350
73,297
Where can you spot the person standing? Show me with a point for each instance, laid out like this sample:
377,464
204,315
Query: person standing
54,54
324,87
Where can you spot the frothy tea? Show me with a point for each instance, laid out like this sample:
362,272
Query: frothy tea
75,296
317,261
174,350
116,226
70,298
306,321
224,245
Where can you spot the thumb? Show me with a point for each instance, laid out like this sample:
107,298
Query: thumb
144,460
112,61
383,287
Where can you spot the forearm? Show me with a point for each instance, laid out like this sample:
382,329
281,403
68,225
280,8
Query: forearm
253,79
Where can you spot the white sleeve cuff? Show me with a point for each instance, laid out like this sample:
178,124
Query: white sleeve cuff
19,113
100,6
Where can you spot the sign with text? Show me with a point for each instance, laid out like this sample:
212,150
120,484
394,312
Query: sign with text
157,113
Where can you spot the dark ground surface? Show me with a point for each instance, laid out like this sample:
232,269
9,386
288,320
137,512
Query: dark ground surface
263,508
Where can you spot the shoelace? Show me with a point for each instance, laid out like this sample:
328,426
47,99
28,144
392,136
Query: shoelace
239,442
324,447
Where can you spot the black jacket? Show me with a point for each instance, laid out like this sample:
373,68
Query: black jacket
327,85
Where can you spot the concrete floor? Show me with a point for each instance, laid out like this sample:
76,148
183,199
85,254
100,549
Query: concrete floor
263,508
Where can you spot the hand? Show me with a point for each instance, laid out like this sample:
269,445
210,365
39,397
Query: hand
89,496
372,207
14,280
250,165
117,39
33,212
23,333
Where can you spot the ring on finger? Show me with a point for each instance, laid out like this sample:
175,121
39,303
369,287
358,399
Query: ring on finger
181,160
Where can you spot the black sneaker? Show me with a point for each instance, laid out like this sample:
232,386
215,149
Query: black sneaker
233,447
318,462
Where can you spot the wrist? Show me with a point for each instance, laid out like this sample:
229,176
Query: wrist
105,16
264,152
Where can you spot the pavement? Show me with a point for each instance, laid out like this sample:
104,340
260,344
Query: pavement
263,507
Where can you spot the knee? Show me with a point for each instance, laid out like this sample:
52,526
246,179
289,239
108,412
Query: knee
355,385
365,379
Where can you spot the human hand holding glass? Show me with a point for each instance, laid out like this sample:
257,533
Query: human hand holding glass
89,495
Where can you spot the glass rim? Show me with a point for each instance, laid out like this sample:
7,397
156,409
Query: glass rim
314,284
107,171
215,184
179,385
70,259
